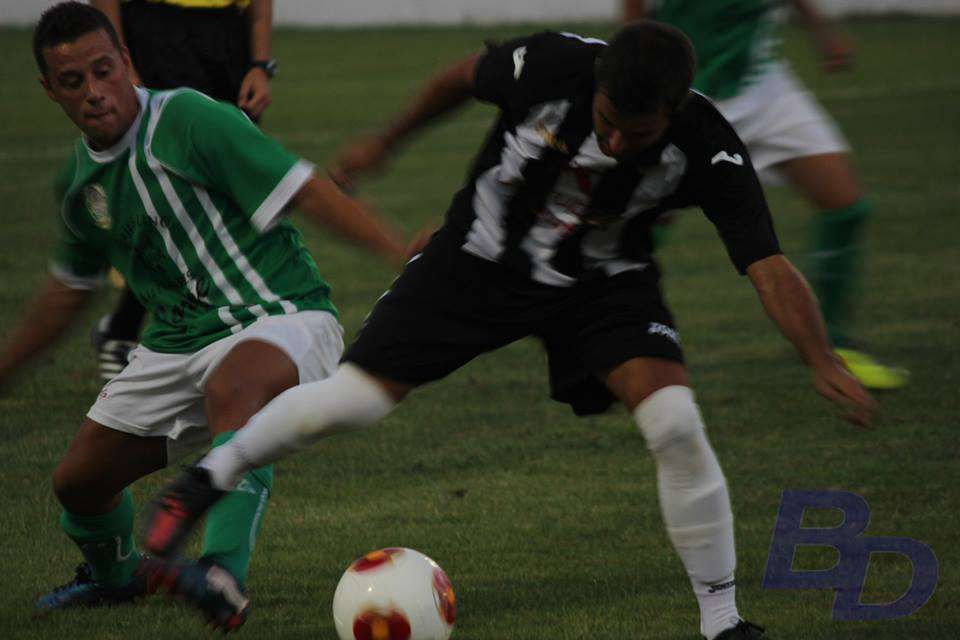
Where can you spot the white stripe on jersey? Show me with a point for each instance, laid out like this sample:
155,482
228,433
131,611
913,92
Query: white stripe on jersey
157,103
568,201
249,273
172,250
567,34
227,318
496,187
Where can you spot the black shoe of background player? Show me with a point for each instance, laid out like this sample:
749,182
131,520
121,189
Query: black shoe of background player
113,354
205,585
743,631
175,512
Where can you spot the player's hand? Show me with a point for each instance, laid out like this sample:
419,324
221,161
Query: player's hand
836,50
366,156
254,97
834,382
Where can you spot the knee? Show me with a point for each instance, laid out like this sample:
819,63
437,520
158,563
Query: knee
669,417
234,401
72,487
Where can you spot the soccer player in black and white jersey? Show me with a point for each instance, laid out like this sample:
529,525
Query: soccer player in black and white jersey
550,237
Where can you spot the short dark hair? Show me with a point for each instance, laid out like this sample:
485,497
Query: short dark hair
648,66
65,22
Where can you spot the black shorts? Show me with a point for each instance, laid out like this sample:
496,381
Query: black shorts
447,307
204,49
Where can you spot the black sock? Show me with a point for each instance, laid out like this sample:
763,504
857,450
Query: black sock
126,319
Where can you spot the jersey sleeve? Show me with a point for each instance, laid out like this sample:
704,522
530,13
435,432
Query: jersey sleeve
518,73
499,71
76,263
215,145
730,194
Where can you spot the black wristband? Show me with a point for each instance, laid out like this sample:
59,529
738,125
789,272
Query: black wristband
269,66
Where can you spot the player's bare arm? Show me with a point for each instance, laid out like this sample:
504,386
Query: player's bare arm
323,203
442,94
255,95
51,312
788,301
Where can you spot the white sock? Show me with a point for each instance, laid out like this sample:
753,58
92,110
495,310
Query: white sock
694,501
349,399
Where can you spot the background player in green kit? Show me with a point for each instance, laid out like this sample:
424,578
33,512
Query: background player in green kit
790,137
185,197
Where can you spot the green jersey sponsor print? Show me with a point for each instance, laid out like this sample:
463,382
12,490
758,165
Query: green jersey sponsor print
188,207
735,40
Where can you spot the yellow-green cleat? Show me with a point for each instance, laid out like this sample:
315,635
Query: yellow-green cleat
872,374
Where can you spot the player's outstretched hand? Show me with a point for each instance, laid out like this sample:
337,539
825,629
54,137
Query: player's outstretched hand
365,156
834,382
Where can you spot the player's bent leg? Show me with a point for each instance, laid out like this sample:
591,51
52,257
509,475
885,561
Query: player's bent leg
349,399
90,482
693,493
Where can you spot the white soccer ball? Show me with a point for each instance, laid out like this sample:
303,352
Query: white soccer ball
394,594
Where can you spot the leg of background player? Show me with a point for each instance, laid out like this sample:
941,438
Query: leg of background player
829,183
117,334
693,492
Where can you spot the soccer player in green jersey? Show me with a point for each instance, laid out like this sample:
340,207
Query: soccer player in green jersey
185,197
790,137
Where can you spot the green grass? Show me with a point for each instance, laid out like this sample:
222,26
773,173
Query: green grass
548,525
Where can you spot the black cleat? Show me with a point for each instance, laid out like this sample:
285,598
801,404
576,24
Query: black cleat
207,586
743,631
84,591
113,354
177,509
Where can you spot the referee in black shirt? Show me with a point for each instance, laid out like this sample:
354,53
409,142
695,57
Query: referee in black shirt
219,47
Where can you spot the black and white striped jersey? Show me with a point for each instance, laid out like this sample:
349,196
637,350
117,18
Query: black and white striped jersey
543,199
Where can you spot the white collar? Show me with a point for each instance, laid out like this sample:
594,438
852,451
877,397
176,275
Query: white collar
111,154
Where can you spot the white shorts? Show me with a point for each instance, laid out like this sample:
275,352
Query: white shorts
779,120
161,394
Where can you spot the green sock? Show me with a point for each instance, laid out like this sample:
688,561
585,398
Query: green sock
235,521
106,541
835,266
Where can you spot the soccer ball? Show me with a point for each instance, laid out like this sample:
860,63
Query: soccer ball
394,594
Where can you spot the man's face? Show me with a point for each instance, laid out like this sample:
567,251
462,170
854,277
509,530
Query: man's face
89,79
622,137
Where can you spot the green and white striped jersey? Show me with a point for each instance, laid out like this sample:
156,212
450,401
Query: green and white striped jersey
187,206
735,40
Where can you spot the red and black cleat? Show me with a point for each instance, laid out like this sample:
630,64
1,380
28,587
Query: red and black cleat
209,587
178,508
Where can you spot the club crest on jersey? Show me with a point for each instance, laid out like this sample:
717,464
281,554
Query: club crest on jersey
96,197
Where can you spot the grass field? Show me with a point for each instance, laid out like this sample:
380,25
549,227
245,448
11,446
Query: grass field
548,525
